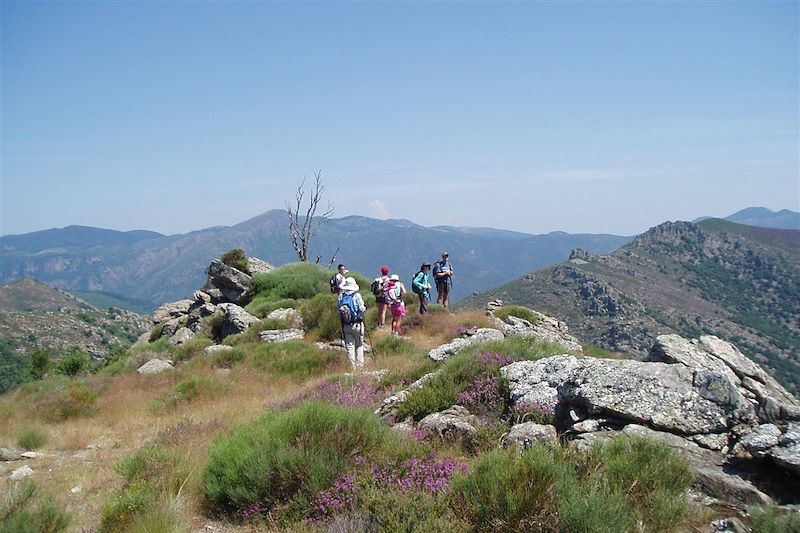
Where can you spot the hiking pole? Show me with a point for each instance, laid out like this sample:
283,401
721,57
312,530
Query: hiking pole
373,353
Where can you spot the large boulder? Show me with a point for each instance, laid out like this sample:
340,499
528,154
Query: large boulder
292,316
155,366
257,266
172,310
231,282
721,357
545,329
280,335
522,436
454,423
456,345
182,336
237,320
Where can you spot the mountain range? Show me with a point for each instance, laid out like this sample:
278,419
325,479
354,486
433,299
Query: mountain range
764,218
714,277
150,268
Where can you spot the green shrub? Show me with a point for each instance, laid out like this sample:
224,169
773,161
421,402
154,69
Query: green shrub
591,350
192,348
153,465
293,281
32,438
286,458
156,332
518,311
40,362
519,347
212,324
120,512
773,519
21,513
56,399
511,491
296,359
73,363
193,388
226,359
394,346
320,316
395,510
594,510
235,258
261,306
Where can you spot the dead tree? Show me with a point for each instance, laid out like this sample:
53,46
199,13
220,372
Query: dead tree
302,229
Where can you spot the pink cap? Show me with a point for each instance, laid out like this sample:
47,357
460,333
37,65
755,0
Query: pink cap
384,270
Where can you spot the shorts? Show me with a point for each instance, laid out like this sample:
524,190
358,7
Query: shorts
380,300
398,310
443,287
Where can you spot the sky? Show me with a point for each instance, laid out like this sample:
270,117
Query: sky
580,117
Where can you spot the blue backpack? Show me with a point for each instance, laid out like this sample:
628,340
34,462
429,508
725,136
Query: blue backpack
348,312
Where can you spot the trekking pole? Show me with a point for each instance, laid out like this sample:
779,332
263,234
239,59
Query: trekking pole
373,352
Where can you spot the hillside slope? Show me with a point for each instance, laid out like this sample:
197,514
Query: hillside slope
34,315
716,277
157,268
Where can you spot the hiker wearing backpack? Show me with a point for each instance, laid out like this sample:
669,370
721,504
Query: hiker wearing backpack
421,286
394,299
337,279
351,313
377,287
443,275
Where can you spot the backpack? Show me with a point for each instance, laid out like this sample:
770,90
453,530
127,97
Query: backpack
392,293
348,312
376,286
334,283
414,286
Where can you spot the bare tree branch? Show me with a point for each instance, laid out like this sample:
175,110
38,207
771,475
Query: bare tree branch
301,231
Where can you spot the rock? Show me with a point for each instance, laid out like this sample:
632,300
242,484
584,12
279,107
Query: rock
787,456
543,330
237,320
329,346
172,325
201,297
171,310
154,366
292,316
388,405
21,473
199,311
32,455
215,294
280,335
712,441
216,348
454,423
143,339
404,429
522,436
761,438
456,345
257,266
494,305
231,282
10,454
535,383
182,336
76,489
728,525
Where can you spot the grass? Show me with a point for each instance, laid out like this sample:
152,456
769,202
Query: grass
32,438
24,509
295,359
57,398
518,311
773,519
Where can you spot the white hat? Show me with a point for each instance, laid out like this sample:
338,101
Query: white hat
350,285
395,277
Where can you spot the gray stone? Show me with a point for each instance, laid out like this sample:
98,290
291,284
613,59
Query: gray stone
154,366
545,329
292,316
728,525
237,320
454,423
761,438
257,266
233,283
522,436
200,310
201,297
182,336
10,454
32,455
280,335
456,345
171,310
216,348
712,441
390,403
787,456
173,325
21,473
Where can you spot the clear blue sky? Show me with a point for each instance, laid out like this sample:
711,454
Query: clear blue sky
582,117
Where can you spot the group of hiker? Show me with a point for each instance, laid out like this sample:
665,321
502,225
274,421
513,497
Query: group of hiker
389,292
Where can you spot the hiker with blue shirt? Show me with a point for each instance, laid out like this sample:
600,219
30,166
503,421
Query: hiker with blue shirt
443,276
351,312
421,286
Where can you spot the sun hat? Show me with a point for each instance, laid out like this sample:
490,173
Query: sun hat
395,277
384,270
445,254
350,284
425,265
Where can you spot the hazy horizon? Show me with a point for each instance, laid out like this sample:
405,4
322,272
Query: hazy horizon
584,118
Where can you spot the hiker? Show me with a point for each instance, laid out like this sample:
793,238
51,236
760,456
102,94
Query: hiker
351,312
377,287
337,279
443,275
421,286
394,299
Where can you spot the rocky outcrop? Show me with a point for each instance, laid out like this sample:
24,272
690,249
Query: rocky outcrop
456,345
257,266
236,321
182,336
231,282
389,405
703,397
291,316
